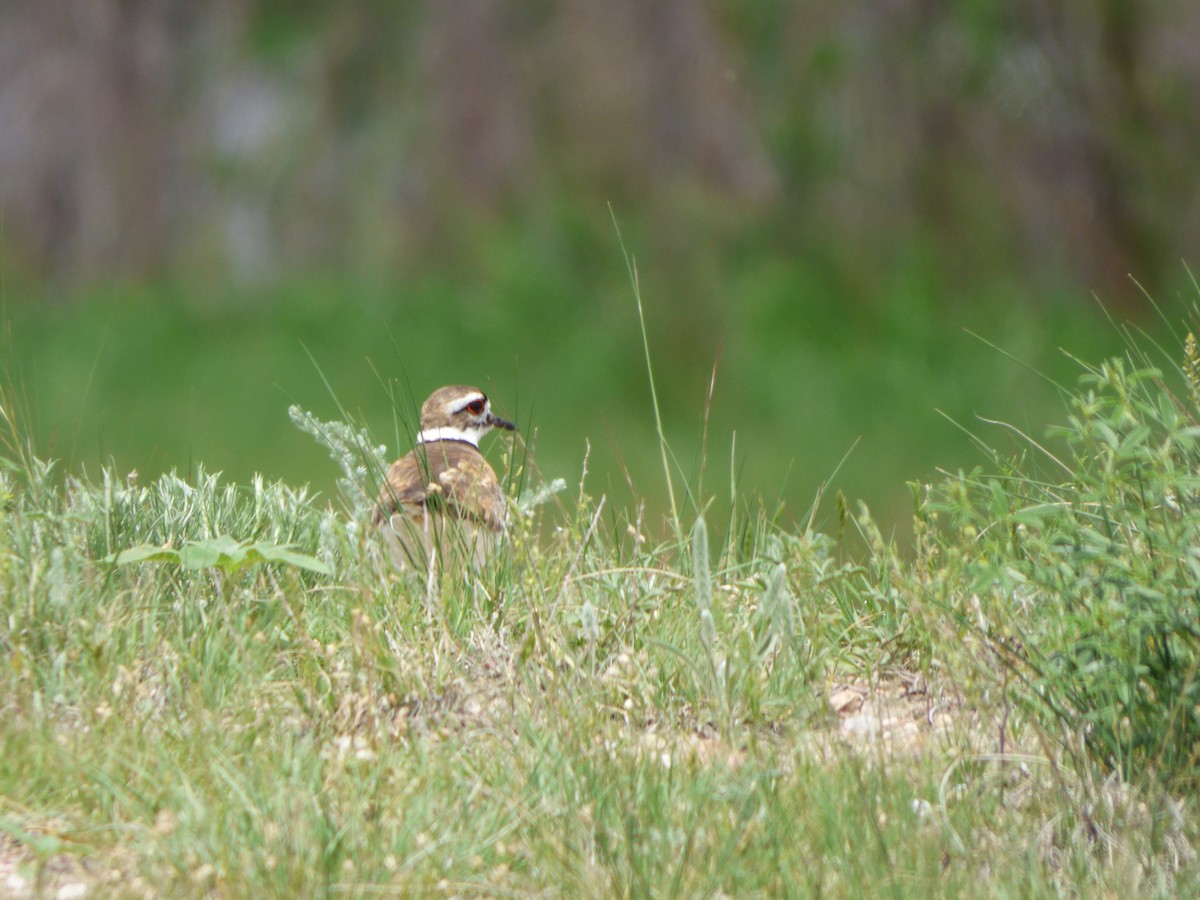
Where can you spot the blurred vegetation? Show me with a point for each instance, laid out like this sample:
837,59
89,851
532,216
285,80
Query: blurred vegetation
820,198
173,384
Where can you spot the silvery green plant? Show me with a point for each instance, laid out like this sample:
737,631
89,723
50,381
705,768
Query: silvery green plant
532,498
361,461
776,610
715,662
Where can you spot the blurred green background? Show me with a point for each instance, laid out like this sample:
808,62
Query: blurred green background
823,199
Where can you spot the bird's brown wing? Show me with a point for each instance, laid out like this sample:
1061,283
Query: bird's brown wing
471,489
449,476
404,488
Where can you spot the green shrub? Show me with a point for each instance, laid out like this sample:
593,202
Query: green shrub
1084,579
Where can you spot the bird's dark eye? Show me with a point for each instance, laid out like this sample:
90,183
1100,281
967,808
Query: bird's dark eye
475,407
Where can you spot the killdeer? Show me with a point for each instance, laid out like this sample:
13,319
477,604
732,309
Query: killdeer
444,492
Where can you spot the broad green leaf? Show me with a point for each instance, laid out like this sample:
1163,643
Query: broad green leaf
285,554
230,546
202,555
222,552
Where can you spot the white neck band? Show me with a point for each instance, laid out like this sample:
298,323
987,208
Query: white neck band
448,433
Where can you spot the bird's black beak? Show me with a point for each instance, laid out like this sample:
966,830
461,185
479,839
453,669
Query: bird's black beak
497,422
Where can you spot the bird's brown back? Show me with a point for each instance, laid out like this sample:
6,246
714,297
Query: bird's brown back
450,477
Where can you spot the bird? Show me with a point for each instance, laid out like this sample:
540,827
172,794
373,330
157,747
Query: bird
443,496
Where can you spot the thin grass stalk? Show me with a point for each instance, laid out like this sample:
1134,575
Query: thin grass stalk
631,266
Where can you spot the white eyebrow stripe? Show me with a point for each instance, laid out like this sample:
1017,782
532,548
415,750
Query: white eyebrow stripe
449,433
462,404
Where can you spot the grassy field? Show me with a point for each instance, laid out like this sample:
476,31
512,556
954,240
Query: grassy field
264,705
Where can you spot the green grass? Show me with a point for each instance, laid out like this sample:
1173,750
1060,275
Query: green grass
603,710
